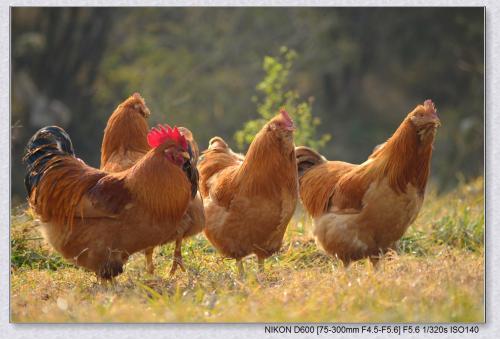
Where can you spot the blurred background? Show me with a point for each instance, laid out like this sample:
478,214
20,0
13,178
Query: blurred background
357,71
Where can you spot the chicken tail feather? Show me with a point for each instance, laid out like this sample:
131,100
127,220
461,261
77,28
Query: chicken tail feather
43,146
307,158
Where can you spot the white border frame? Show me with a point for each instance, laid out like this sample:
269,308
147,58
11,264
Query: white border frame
122,331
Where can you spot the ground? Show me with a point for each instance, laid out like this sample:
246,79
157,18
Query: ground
436,275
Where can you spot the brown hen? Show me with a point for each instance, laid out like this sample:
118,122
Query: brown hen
250,200
362,210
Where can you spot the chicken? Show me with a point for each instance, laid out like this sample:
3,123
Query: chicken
193,221
250,200
97,219
361,210
125,143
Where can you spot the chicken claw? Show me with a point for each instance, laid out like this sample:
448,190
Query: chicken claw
177,261
106,283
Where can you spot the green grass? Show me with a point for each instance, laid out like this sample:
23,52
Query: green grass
437,275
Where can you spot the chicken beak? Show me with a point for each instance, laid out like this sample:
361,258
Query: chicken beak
185,155
290,127
436,121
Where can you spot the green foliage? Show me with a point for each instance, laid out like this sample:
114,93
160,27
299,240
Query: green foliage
274,95
198,67
460,230
28,248
455,221
24,256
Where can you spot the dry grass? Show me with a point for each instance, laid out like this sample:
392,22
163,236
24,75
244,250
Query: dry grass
438,276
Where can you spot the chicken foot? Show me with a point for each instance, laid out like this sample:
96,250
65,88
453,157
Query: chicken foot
106,283
177,261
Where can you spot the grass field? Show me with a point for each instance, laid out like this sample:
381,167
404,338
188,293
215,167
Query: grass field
437,275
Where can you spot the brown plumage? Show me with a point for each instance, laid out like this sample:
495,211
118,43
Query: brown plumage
250,200
98,219
125,143
193,221
362,210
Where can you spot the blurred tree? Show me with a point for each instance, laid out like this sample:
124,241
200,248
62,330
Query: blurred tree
275,96
55,56
199,67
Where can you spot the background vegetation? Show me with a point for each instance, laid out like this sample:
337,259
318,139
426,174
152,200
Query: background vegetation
358,70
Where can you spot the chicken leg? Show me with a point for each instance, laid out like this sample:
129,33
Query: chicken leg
177,261
260,262
150,266
241,269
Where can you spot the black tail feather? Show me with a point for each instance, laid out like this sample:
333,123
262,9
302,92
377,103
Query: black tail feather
191,171
41,148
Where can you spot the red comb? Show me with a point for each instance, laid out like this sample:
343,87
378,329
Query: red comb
285,115
429,106
287,120
160,134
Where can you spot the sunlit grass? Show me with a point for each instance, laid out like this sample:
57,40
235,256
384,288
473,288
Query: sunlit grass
436,276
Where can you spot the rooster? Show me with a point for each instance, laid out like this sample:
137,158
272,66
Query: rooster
97,219
125,143
250,200
362,210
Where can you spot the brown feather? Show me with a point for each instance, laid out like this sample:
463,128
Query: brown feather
402,159
317,185
307,158
266,157
214,161
86,212
125,143
125,133
65,181
250,200
362,210
159,185
110,194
